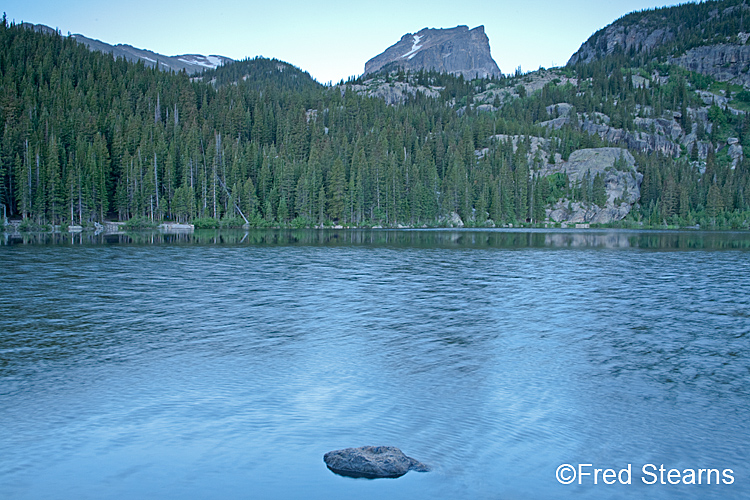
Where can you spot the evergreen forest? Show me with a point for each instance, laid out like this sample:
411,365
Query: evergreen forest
88,138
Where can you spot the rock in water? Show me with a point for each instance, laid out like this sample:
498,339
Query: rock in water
372,462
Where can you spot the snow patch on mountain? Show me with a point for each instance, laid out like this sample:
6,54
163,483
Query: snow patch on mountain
191,63
211,62
414,48
456,50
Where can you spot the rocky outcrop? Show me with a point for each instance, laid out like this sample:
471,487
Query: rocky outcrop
640,141
585,213
394,92
621,182
689,26
458,51
454,220
734,151
537,147
41,28
724,62
663,135
616,166
709,98
530,82
643,35
372,462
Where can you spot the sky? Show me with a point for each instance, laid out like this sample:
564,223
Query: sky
330,39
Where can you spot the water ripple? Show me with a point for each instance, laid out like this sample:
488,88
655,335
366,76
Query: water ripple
126,369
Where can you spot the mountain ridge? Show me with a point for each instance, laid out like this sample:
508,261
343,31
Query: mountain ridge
709,38
191,63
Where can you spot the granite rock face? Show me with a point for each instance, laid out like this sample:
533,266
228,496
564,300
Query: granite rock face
394,92
725,59
456,50
622,184
663,134
643,35
642,141
724,62
372,462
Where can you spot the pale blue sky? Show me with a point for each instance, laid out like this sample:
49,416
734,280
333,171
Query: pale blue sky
331,39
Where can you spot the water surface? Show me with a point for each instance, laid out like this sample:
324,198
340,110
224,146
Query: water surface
225,364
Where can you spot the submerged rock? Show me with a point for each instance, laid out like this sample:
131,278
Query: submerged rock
372,462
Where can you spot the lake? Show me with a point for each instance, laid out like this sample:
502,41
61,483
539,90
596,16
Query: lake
225,364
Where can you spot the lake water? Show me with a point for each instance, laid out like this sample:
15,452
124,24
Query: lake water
224,365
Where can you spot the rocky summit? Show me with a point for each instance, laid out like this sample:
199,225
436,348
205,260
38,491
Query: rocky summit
459,51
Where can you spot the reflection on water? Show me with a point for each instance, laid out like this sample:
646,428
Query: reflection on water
431,238
225,364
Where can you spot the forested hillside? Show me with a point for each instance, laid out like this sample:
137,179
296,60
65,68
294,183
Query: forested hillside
87,138
670,31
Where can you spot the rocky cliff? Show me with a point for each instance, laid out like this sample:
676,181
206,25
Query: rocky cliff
616,166
725,62
456,50
664,135
644,35
394,92
621,180
709,38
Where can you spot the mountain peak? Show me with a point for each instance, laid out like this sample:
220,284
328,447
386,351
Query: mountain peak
458,50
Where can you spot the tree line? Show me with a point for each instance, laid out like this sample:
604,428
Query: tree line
87,137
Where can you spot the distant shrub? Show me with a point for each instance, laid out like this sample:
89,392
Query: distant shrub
139,222
231,222
301,222
256,221
28,226
206,223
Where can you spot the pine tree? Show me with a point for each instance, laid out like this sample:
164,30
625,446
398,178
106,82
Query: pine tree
337,190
